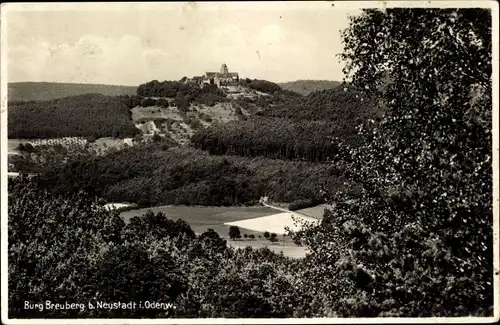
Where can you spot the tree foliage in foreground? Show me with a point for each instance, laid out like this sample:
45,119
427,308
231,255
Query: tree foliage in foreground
70,249
418,240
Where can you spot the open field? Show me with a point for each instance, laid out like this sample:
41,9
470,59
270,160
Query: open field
13,145
140,114
203,218
114,206
287,247
222,112
277,223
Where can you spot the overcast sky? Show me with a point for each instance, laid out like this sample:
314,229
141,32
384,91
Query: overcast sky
131,44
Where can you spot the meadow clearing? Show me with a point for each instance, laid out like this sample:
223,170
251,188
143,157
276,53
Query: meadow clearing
13,146
256,219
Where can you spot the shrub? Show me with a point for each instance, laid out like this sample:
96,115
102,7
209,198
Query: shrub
148,101
91,139
234,232
195,123
156,137
205,117
158,122
267,235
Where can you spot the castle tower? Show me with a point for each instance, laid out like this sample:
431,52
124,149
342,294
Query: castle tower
223,69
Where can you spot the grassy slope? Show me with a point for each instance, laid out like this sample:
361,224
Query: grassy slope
53,90
176,127
305,87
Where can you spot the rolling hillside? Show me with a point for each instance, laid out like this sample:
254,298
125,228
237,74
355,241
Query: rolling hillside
28,91
305,87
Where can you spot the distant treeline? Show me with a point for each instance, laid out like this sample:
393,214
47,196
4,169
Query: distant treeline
155,175
305,87
29,91
261,85
90,115
273,138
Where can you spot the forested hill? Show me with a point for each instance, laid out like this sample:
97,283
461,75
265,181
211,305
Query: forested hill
288,126
86,115
342,105
28,91
305,87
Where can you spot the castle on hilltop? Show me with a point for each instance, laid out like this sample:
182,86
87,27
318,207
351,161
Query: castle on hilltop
221,78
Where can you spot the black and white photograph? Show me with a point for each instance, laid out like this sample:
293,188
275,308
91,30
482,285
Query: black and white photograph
249,162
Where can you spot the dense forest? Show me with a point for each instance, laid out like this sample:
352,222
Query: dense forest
85,115
264,86
279,138
344,105
158,174
289,126
29,91
305,87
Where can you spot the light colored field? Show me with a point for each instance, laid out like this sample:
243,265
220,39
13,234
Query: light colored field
110,142
222,112
276,223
